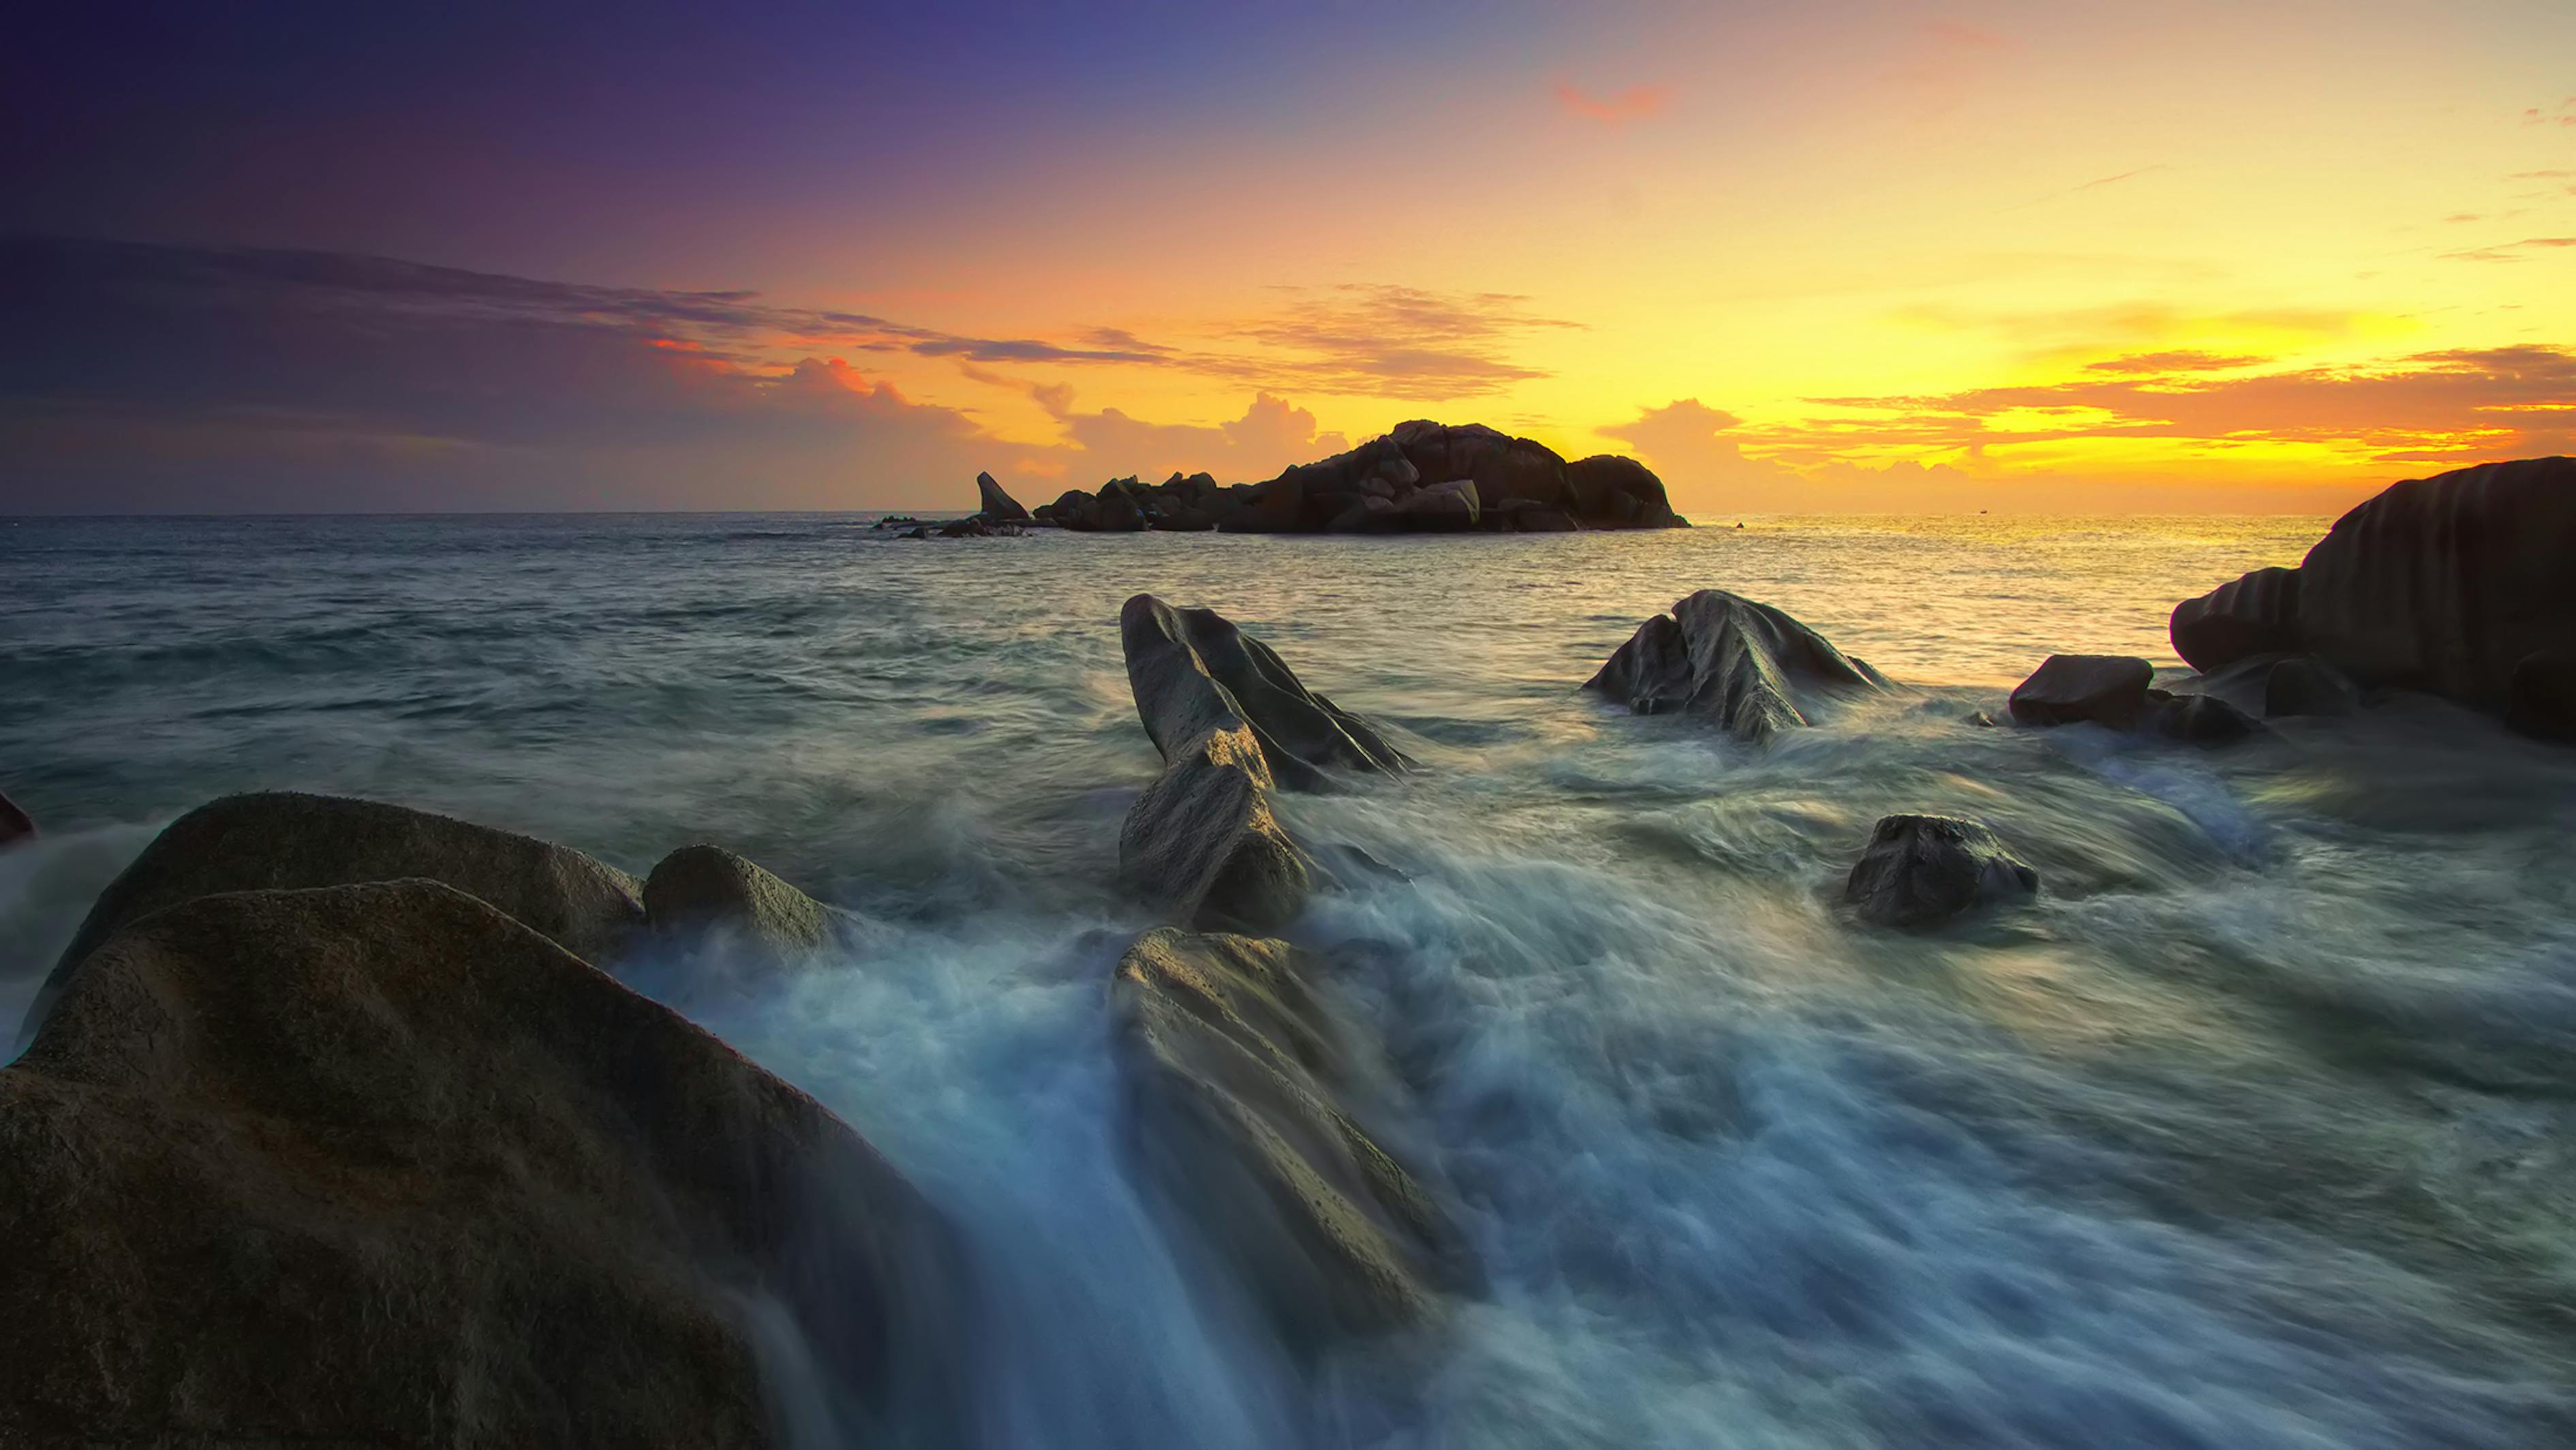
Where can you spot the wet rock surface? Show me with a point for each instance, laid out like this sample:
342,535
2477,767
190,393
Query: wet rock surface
1743,665
2072,689
1920,870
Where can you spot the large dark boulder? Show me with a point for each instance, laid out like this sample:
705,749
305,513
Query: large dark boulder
707,890
1741,664
381,1165
1193,670
2541,701
995,504
1119,513
1203,844
285,840
1611,492
1244,1093
15,824
2070,689
2448,583
1918,870
2254,615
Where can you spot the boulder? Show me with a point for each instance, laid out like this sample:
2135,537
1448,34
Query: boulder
1118,512
1192,671
1242,1092
1439,508
1528,516
15,824
1736,662
1075,510
1203,844
2201,720
1918,870
2257,614
285,840
2067,689
706,889
1275,507
1610,492
2447,584
2306,685
2541,700
381,1165
995,504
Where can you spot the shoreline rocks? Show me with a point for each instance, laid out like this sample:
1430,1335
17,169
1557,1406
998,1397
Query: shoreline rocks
379,1163
1738,663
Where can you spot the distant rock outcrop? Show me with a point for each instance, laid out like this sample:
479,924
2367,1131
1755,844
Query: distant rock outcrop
1741,664
2071,689
2444,584
994,504
1242,1088
1918,870
382,1165
286,840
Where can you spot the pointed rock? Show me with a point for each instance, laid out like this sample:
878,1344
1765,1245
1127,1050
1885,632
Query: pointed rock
995,504
1730,660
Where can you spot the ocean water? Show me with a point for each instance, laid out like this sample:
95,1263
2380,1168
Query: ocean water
2258,1128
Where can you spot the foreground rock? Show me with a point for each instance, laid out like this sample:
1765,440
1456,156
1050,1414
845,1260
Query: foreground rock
381,1165
2445,584
1193,671
2542,700
1203,843
995,504
1242,1092
2306,685
2204,720
15,824
2072,689
709,891
1740,664
1918,870
284,840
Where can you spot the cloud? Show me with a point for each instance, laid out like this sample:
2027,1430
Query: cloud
1271,433
1634,103
2119,177
2510,251
1383,340
2181,361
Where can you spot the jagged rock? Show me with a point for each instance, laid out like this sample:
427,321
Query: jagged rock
285,840
2067,689
1118,512
2255,615
15,824
1203,844
380,1165
1918,870
709,889
1192,671
2541,702
995,504
1075,510
1241,1089
2201,720
2306,685
1736,662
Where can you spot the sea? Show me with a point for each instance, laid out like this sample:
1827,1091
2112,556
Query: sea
2256,1128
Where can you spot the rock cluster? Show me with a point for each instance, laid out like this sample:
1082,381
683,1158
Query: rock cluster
327,1135
2119,691
2457,585
1742,665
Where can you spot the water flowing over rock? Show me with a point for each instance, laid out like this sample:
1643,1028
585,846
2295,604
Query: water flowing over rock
1736,662
2444,584
1241,1087
1918,870
706,889
1203,843
379,1164
1193,670
285,840
995,504
15,824
2070,689
2306,685
2201,720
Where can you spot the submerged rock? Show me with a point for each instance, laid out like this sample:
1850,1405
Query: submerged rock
709,889
2201,720
15,824
2306,685
1731,660
995,504
2068,689
1242,1088
1193,670
1203,843
379,1164
285,840
1918,870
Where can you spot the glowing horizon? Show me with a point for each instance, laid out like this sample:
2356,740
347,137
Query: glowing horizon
1873,257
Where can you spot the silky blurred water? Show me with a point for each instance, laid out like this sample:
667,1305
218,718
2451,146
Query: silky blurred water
2253,1130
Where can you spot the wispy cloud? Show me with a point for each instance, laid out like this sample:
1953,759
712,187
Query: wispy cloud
2178,361
1634,103
2510,251
2118,177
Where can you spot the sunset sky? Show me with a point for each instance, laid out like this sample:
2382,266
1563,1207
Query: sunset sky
1870,256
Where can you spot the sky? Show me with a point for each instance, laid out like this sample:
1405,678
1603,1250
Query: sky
1875,256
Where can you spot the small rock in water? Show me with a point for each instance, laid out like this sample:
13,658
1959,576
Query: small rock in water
2068,689
707,888
1918,870
2307,685
1732,660
2202,720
